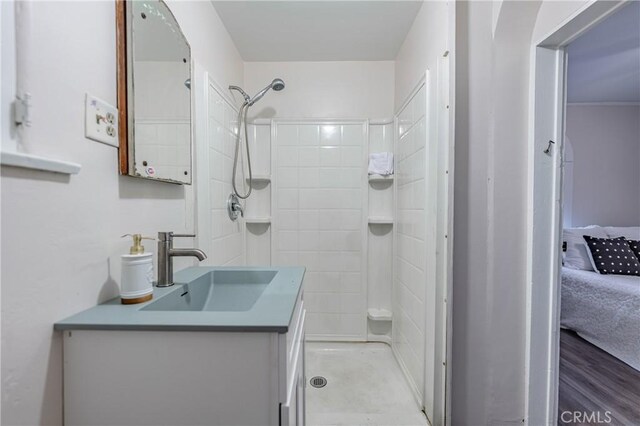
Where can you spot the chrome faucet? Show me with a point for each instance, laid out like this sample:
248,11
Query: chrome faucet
166,253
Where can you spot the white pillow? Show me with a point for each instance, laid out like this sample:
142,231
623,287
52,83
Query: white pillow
629,232
577,254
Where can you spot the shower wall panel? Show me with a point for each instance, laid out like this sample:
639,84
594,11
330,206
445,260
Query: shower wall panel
319,199
409,285
227,237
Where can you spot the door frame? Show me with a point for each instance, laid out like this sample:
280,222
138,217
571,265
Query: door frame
544,212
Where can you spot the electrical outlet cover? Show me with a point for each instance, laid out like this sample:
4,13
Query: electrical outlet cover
101,121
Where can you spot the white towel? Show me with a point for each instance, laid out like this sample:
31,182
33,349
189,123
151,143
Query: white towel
381,163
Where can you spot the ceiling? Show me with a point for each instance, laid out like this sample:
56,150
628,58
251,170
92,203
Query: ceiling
604,63
274,31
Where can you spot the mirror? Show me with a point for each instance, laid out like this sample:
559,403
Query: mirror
154,92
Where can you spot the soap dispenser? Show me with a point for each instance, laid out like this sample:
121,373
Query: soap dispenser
136,285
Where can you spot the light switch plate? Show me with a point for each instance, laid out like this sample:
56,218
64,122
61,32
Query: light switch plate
101,121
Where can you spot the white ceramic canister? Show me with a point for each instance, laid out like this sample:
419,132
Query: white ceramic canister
136,285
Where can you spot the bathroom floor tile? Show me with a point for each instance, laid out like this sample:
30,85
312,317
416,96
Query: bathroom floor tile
365,386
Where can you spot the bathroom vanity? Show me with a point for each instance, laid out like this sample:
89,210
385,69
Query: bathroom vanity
223,346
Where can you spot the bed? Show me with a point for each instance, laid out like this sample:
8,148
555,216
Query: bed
604,310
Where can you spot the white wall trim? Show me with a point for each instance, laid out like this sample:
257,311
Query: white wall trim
580,22
36,162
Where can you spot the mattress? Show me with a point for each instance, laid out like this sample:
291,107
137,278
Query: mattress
604,310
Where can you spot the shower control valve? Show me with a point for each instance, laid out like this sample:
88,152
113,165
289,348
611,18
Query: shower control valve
234,208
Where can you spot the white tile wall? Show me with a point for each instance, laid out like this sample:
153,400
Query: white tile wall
410,251
227,239
319,203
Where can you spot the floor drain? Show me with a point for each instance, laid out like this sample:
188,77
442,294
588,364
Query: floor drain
318,382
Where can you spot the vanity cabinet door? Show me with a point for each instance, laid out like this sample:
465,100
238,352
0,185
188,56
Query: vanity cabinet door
300,392
292,411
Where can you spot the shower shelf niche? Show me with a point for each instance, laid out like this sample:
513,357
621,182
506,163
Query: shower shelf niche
379,220
375,314
255,220
260,178
380,178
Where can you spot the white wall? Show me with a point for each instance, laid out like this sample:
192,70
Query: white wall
492,103
605,141
426,41
323,89
60,236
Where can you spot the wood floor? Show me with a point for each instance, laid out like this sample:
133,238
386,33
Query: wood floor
593,381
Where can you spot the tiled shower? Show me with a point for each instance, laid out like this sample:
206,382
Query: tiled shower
360,236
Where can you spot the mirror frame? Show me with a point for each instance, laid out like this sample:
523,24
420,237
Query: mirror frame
121,77
125,153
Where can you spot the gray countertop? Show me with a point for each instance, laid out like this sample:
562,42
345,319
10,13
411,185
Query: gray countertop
271,313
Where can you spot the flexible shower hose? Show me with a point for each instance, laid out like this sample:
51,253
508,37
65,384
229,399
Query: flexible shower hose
242,123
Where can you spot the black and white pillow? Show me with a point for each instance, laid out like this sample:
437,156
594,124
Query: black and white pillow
612,256
635,247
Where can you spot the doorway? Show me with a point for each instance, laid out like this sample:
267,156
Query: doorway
545,220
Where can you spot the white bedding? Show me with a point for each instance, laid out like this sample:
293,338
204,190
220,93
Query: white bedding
605,310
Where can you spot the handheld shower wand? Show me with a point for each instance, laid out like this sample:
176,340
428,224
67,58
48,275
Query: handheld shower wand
277,85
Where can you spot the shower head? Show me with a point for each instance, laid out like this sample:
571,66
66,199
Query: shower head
277,85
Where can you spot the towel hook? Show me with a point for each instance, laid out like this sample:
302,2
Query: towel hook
548,150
